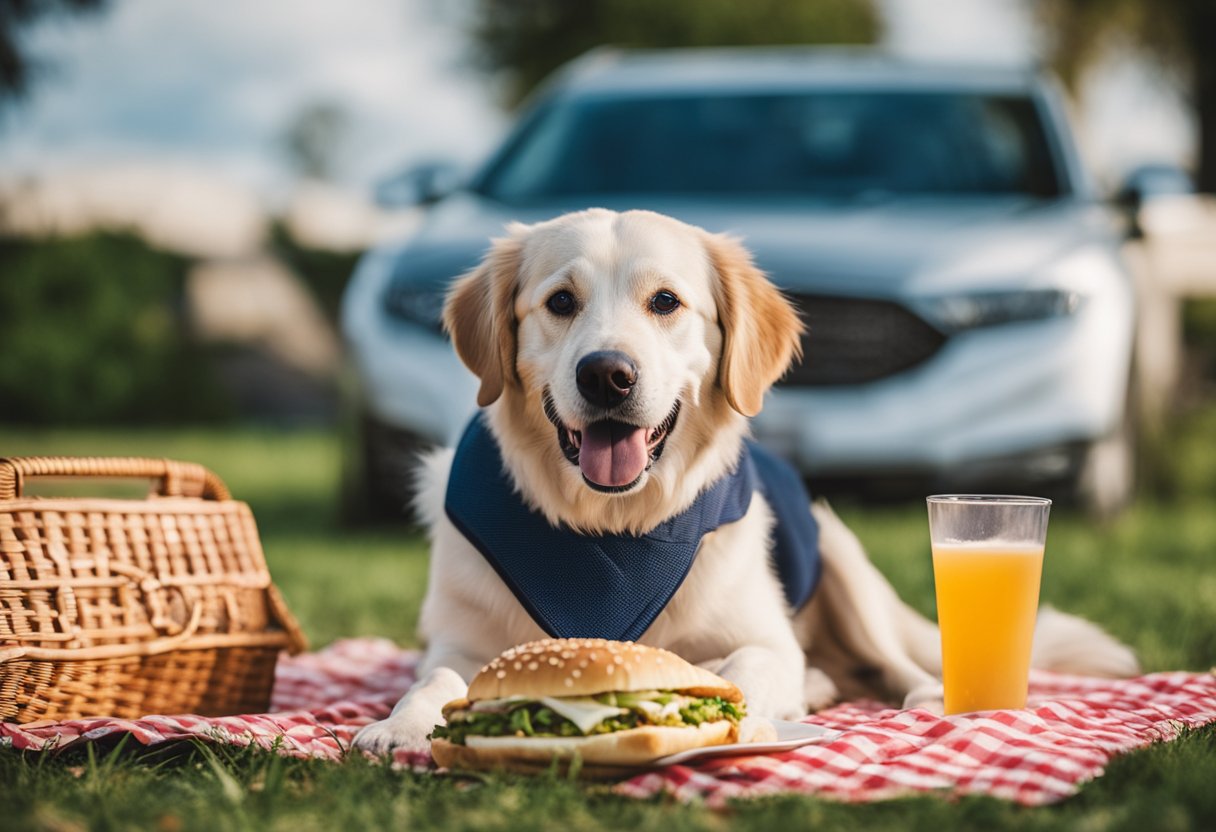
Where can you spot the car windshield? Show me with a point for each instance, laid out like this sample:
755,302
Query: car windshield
840,144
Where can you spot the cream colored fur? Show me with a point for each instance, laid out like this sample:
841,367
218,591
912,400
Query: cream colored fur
731,338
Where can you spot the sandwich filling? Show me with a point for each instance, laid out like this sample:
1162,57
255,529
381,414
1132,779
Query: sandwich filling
578,716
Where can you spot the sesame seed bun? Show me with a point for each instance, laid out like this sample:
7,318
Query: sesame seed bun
587,666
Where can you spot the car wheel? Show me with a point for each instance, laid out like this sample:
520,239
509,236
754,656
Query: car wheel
1106,479
377,472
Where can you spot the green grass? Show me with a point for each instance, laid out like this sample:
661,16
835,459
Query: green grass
1166,787
1148,577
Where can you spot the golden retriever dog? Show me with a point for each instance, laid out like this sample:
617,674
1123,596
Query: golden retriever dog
619,357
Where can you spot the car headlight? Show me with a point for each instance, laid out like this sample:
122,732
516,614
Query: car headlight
954,313
420,304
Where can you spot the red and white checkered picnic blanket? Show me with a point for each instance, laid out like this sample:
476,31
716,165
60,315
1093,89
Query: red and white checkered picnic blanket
1071,728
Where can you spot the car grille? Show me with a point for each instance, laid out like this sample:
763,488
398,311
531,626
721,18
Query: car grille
856,340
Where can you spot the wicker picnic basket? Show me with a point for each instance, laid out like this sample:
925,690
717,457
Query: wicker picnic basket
112,607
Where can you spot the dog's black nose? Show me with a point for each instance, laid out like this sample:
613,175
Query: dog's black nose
605,377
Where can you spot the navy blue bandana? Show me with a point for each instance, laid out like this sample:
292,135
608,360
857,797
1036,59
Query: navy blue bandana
614,586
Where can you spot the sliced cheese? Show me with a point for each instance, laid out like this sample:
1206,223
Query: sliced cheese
672,708
496,704
583,711
652,709
658,712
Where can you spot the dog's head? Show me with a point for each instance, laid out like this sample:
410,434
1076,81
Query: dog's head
622,348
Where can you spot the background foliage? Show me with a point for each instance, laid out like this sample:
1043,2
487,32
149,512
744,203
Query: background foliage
324,272
1179,36
18,67
92,332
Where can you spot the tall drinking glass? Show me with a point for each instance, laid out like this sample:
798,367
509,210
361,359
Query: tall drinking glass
987,564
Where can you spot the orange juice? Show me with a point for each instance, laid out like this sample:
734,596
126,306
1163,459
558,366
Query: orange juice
987,599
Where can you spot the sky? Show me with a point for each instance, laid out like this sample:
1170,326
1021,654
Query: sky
213,84
216,82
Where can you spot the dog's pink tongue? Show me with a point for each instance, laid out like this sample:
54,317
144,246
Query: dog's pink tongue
613,453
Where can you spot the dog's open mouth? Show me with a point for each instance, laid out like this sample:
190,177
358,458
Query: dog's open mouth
612,455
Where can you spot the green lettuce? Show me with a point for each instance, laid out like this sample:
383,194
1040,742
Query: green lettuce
532,719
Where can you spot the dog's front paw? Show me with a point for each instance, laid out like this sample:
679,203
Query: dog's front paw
818,690
773,704
410,724
387,735
756,729
929,697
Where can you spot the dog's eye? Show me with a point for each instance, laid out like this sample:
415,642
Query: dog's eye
561,303
664,303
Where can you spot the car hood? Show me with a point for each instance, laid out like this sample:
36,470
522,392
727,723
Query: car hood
890,248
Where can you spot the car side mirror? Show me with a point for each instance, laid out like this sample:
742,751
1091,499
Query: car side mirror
1148,182
422,184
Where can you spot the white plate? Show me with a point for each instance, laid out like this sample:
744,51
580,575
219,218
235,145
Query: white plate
790,735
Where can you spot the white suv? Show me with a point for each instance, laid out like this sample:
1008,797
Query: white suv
970,322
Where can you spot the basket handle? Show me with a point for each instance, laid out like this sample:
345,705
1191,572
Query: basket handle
173,478
106,651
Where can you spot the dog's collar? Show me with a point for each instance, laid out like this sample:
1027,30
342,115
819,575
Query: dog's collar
614,586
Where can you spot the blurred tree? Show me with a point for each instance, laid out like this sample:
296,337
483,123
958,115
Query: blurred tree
17,66
527,39
94,333
1179,34
313,138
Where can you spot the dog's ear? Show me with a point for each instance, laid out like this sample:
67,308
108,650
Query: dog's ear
479,315
761,332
